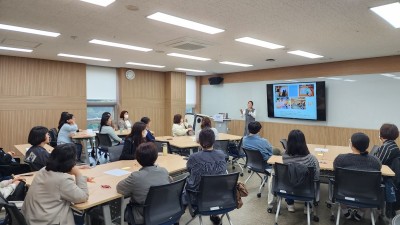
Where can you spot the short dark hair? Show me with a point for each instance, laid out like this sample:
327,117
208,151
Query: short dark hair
37,135
296,144
145,120
206,122
206,138
360,141
389,131
252,104
254,127
122,114
146,154
62,158
177,118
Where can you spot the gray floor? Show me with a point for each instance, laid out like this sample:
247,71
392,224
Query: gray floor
254,210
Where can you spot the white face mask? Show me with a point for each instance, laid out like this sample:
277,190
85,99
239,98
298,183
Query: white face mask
126,116
144,133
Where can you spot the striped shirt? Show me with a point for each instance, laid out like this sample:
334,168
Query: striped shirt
308,160
387,152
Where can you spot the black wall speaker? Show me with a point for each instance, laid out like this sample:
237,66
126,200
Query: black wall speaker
215,80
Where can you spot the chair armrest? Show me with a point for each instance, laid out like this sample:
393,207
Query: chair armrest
330,189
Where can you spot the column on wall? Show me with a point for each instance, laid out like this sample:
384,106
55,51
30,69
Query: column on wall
175,97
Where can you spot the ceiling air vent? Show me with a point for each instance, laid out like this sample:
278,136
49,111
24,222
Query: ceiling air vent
187,44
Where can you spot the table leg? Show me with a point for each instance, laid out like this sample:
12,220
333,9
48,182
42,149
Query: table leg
86,141
107,214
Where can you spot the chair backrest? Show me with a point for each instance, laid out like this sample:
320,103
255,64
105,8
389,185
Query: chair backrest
103,140
13,215
284,143
358,187
255,160
283,187
164,203
217,192
53,137
115,152
222,145
159,145
374,149
237,151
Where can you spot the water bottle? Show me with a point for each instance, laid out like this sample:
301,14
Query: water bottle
165,149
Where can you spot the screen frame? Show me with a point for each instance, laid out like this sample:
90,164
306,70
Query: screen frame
321,100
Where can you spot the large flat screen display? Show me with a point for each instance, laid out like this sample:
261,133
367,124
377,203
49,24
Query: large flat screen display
302,100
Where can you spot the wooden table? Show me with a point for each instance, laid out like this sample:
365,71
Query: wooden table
123,133
23,148
97,195
183,142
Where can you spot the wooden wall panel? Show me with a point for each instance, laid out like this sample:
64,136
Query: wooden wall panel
197,108
175,94
314,134
34,92
143,96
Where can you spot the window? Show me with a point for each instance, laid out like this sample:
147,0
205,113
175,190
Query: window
190,94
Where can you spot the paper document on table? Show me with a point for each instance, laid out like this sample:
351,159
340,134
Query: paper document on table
117,172
321,149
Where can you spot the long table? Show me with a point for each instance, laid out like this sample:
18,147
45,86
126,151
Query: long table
23,148
183,142
174,164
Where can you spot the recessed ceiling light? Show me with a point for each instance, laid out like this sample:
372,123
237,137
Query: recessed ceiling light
28,30
253,41
305,54
235,64
190,70
143,64
188,56
389,12
103,3
292,80
387,75
83,57
15,49
334,78
349,80
117,45
162,17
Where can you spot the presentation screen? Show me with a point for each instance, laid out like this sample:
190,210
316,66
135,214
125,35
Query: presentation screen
303,100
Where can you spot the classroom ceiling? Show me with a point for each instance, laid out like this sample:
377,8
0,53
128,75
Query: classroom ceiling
337,30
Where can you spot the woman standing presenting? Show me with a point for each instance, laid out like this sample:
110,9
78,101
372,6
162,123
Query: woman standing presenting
249,116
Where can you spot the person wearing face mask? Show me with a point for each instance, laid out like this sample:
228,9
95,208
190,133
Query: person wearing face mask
124,122
150,135
249,115
133,140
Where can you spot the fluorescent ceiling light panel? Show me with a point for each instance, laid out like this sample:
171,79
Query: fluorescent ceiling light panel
389,12
144,64
349,80
264,44
103,3
305,54
188,56
397,78
292,80
162,17
190,70
334,78
235,64
321,77
28,30
83,57
15,49
117,45
388,75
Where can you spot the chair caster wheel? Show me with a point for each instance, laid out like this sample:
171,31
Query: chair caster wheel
233,167
269,210
316,219
328,205
259,195
332,218
315,203
241,174
276,223
98,163
249,171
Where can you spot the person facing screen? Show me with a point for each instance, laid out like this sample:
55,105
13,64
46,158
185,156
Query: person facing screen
389,150
37,155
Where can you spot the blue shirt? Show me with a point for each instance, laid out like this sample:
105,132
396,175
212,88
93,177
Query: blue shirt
149,136
255,142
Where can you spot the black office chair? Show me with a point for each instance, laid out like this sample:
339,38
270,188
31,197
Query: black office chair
103,144
163,204
222,145
236,152
53,137
256,164
307,191
13,215
358,189
159,146
216,196
284,143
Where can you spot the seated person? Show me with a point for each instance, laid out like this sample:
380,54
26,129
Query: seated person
124,123
297,152
253,141
133,140
179,128
13,189
37,156
206,123
389,150
11,165
106,128
67,131
150,135
359,159
205,162
137,185
53,189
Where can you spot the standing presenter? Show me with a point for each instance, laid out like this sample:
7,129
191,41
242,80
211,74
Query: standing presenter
249,115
